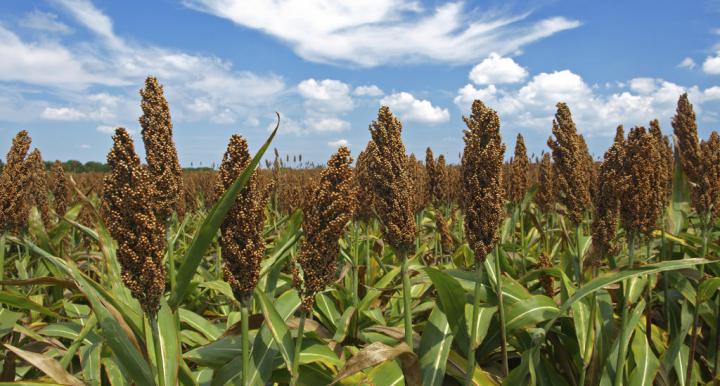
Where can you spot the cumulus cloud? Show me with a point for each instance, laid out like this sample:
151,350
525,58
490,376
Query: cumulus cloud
371,91
325,125
357,32
495,70
412,109
62,114
327,94
687,63
533,104
711,65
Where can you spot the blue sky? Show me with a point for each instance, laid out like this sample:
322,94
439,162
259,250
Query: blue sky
71,69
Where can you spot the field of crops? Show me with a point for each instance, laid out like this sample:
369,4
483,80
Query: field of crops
375,269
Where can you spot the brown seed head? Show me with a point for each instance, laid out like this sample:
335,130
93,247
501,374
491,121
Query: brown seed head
546,280
130,216
418,182
326,213
391,182
160,153
519,170
14,203
59,189
572,169
607,204
37,187
437,178
545,196
686,139
666,155
706,192
363,180
642,196
241,241
447,242
482,185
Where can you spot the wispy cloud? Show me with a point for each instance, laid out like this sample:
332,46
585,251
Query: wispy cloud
358,32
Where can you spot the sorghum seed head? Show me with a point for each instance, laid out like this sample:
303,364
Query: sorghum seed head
326,213
519,170
546,280
706,193
482,185
418,181
131,218
642,196
545,196
160,153
241,241
14,203
666,155
363,181
572,169
686,138
607,199
37,187
391,182
59,189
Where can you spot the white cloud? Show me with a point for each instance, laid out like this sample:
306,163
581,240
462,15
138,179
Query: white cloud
532,106
85,146
338,143
62,114
469,93
711,65
375,32
495,70
371,91
325,125
43,21
688,63
327,94
198,87
107,129
411,109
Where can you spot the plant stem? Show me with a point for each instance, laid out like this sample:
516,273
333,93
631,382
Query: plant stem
620,367
355,278
294,375
159,360
406,301
579,255
501,311
368,261
696,311
2,258
523,247
666,287
245,325
473,328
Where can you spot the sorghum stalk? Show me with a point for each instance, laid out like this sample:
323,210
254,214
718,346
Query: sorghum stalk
388,165
573,169
620,365
330,207
482,197
245,331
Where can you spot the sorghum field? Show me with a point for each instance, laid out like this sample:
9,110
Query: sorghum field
379,268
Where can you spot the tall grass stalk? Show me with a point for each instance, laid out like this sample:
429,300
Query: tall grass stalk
696,311
501,311
620,366
159,357
473,327
298,347
407,311
245,338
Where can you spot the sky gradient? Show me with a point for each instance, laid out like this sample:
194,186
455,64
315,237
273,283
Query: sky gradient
71,70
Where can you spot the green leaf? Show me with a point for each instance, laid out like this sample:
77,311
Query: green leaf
15,300
615,277
646,363
341,328
707,289
199,323
377,353
168,344
530,312
435,345
452,302
277,327
208,230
